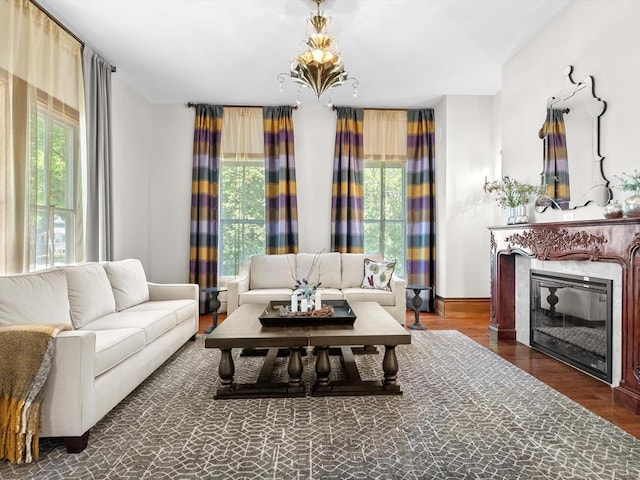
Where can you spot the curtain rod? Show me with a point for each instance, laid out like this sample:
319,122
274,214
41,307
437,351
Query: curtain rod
62,26
335,107
192,105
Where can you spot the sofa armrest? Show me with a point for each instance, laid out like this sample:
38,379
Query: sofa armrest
237,286
173,291
398,286
70,385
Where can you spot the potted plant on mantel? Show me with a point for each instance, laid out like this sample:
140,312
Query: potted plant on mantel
512,195
630,182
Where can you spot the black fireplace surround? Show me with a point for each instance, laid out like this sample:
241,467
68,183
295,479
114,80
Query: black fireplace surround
571,320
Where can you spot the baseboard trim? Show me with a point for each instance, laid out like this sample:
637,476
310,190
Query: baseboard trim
462,307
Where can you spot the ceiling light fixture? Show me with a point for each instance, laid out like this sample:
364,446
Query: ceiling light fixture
319,67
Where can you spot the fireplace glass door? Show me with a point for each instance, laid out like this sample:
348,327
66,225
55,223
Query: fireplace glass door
571,320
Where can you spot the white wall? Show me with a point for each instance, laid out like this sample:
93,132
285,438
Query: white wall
132,142
314,134
170,192
598,39
465,155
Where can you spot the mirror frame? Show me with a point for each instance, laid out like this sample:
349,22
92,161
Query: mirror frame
595,108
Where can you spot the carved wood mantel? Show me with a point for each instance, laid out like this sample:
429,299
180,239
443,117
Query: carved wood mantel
616,241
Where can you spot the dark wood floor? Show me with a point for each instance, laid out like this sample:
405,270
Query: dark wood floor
589,392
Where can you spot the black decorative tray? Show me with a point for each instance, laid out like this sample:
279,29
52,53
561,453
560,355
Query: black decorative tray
278,314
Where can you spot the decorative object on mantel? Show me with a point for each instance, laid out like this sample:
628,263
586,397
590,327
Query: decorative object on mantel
513,195
319,67
613,210
630,182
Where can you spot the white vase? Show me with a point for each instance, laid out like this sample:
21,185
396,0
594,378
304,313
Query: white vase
517,215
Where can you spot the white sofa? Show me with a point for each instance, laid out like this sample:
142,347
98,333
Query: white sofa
121,328
272,277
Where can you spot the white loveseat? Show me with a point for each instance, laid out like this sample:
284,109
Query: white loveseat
121,328
272,277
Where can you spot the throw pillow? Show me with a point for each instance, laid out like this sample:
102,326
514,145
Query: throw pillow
128,282
378,274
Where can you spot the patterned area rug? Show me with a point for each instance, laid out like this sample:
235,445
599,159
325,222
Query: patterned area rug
465,414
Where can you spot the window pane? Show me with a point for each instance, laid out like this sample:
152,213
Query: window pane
372,192
394,244
254,197
61,166
372,237
230,248
231,192
394,201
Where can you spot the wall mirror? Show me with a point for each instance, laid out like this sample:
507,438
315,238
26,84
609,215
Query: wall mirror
572,173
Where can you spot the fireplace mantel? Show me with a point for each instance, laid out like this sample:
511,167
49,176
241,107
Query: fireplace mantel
616,241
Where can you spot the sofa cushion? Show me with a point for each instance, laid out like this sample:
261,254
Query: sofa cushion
264,295
382,297
128,282
326,270
272,271
330,294
34,298
184,308
90,294
378,274
153,322
115,346
352,265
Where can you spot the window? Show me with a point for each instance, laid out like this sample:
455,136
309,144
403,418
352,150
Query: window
53,173
385,211
242,195
242,231
385,190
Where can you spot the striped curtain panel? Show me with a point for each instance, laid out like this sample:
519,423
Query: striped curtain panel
420,197
347,200
281,210
555,176
203,252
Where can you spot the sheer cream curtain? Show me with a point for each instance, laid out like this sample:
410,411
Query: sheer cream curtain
242,134
385,135
41,102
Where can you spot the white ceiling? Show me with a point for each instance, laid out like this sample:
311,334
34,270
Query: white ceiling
405,53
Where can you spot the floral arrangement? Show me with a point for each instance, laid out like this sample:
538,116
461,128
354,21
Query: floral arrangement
304,286
510,192
631,183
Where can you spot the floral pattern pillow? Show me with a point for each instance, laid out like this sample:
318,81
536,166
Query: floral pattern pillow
378,274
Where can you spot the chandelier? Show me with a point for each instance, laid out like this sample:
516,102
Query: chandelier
319,67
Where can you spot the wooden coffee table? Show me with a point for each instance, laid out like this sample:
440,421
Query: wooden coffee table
373,326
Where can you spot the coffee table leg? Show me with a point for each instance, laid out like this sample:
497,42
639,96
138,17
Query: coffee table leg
294,367
390,365
226,369
323,367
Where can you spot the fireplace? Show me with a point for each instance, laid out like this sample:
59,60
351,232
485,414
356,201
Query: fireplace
586,242
571,320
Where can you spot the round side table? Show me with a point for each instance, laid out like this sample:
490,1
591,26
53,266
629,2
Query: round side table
214,305
416,301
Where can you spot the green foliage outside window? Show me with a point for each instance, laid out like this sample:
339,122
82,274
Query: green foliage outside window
53,159
385,211
242,231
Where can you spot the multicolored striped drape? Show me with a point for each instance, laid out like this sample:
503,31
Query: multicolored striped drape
420,197
555,177
203,252
281,203
347,200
